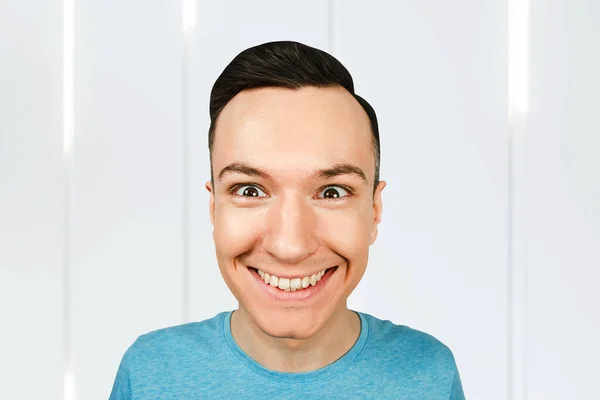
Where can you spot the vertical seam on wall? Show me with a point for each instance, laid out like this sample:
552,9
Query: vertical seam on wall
67,361
517,312
510,278
510,359
185,171
518,33
330,25
68,124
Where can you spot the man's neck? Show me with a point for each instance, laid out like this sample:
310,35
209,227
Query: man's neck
297,355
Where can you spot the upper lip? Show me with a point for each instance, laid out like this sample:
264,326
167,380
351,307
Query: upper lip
290,276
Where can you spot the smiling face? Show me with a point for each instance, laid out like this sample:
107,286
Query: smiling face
293,196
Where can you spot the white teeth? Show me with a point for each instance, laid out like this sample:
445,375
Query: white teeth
291,285
284,283
296,283
274,280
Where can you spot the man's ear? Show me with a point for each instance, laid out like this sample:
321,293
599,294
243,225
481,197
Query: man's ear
211,203
377,210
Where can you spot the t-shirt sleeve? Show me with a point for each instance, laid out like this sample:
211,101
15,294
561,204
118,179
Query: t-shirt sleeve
457,390
121,389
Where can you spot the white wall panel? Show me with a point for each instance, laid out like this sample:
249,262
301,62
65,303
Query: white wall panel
436,74
127,219
225,28
31,200
562,195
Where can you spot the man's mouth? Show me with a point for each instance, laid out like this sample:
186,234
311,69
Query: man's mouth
292,284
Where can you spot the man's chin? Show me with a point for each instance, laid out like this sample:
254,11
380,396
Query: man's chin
280,327
293,333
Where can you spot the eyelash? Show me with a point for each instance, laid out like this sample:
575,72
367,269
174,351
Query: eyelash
236,187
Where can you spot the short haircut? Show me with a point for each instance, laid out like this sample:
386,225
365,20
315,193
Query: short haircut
286,64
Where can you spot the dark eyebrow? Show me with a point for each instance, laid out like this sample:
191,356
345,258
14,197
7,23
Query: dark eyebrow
341,169
327,173
242,169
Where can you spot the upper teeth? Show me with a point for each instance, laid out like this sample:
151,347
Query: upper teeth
291,284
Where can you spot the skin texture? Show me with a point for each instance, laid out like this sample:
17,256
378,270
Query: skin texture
280,218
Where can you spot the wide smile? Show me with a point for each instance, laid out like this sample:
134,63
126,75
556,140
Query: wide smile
294,289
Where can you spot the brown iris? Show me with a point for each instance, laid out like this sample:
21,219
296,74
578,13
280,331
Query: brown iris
250,192
331,194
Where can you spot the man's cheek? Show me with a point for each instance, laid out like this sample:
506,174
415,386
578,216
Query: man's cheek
236,228
349,236
346,230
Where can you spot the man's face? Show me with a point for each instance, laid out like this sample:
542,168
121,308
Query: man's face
293,196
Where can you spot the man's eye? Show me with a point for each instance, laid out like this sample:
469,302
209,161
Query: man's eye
334,192
249,191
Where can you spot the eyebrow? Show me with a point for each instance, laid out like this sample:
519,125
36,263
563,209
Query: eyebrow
341,169
327,173
242,168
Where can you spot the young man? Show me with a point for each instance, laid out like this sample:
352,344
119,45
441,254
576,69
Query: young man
295,200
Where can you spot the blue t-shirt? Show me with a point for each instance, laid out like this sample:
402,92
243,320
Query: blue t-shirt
201,360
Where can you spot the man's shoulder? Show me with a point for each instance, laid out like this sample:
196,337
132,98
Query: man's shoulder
401,342
178,338
404,354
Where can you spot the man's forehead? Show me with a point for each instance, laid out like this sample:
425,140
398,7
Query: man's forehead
293,132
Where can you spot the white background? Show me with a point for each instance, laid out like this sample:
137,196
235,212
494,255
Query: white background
491,225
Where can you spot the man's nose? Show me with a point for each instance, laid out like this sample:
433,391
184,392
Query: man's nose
290,235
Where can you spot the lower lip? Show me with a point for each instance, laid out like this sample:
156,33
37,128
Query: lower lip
298,295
